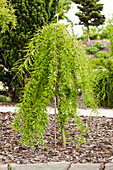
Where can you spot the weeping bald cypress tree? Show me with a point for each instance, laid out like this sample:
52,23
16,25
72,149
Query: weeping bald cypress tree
58,66
31,15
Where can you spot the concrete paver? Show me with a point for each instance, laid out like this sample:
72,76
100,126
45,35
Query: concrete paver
101,112
3,167
42,166
109,166
87,166
57,166
8,108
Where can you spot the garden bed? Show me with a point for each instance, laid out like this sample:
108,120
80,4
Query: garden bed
98,147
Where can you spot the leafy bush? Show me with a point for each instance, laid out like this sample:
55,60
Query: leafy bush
109,30
99,33
4,98
104,84
98,62
99,45
92,50
102,54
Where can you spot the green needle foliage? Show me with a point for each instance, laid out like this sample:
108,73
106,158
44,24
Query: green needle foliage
58,66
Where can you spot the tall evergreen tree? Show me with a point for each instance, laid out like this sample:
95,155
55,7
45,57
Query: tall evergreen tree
31,15
90,13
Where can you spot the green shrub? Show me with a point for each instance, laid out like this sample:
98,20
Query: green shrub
97,62
92,50
99,45
103,84
102,54
109,30
4,98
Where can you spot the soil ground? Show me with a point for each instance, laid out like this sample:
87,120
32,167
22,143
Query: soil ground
97,148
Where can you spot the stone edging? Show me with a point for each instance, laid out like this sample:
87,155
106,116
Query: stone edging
58,166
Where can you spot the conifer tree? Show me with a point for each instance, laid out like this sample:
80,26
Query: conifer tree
31,15
58,66
90,13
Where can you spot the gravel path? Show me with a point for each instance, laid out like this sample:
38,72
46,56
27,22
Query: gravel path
84,112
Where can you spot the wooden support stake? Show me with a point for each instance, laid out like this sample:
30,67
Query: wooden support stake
55,121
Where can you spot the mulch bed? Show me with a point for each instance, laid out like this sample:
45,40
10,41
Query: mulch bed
8,103
98,147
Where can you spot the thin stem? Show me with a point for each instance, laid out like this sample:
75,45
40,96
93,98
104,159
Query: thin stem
55,120
63,138
57,17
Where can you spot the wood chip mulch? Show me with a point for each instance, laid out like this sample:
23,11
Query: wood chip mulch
98,147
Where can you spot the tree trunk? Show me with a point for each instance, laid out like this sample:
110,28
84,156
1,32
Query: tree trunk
12,93
87,33
63,138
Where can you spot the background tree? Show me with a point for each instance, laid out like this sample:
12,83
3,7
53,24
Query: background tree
31,15
58,66
90,13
